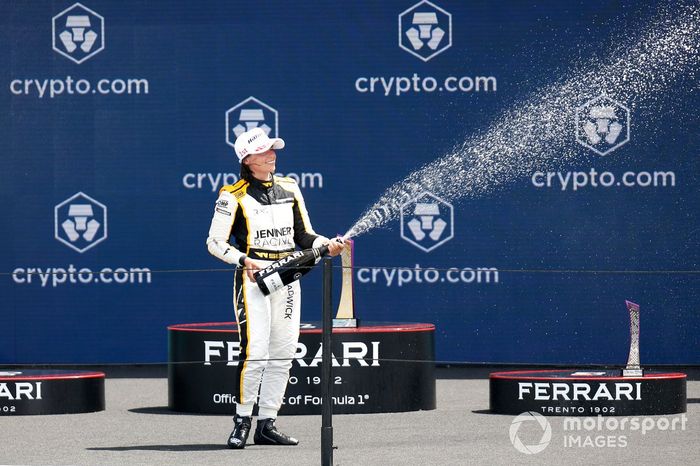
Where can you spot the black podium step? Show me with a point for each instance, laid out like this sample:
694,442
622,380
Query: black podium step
26,392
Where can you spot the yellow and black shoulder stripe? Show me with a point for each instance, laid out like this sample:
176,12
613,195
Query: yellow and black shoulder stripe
238,189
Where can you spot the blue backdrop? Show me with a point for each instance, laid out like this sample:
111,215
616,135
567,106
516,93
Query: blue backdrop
114,130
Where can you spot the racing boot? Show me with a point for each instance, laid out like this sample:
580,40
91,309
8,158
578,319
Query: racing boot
241,429
267,434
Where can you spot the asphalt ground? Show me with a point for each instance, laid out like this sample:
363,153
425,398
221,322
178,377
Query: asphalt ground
137,428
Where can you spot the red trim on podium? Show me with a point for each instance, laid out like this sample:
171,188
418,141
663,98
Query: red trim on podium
69,375
531,375
369,327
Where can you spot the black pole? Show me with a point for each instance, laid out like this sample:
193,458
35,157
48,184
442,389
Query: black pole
326,376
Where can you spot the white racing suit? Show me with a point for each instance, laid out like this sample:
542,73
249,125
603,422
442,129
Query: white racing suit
266,221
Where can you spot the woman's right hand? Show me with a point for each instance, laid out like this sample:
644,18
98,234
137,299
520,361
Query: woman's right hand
251,266
335,246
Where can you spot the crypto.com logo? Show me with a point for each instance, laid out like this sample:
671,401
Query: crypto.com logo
78,33
80,222
248,114
530,418
425,30
602,125
427,221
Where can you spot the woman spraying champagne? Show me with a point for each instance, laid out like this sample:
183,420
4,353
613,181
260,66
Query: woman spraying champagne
258,220
283,272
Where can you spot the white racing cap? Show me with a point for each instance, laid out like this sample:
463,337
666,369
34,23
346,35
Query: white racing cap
255,141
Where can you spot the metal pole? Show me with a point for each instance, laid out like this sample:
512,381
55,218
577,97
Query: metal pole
326,376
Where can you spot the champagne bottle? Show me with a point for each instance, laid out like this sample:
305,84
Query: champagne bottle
288,269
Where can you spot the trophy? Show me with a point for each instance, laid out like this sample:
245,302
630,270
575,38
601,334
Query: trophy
633,368
346,308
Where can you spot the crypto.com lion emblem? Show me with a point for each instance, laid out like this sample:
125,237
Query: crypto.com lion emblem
602,125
